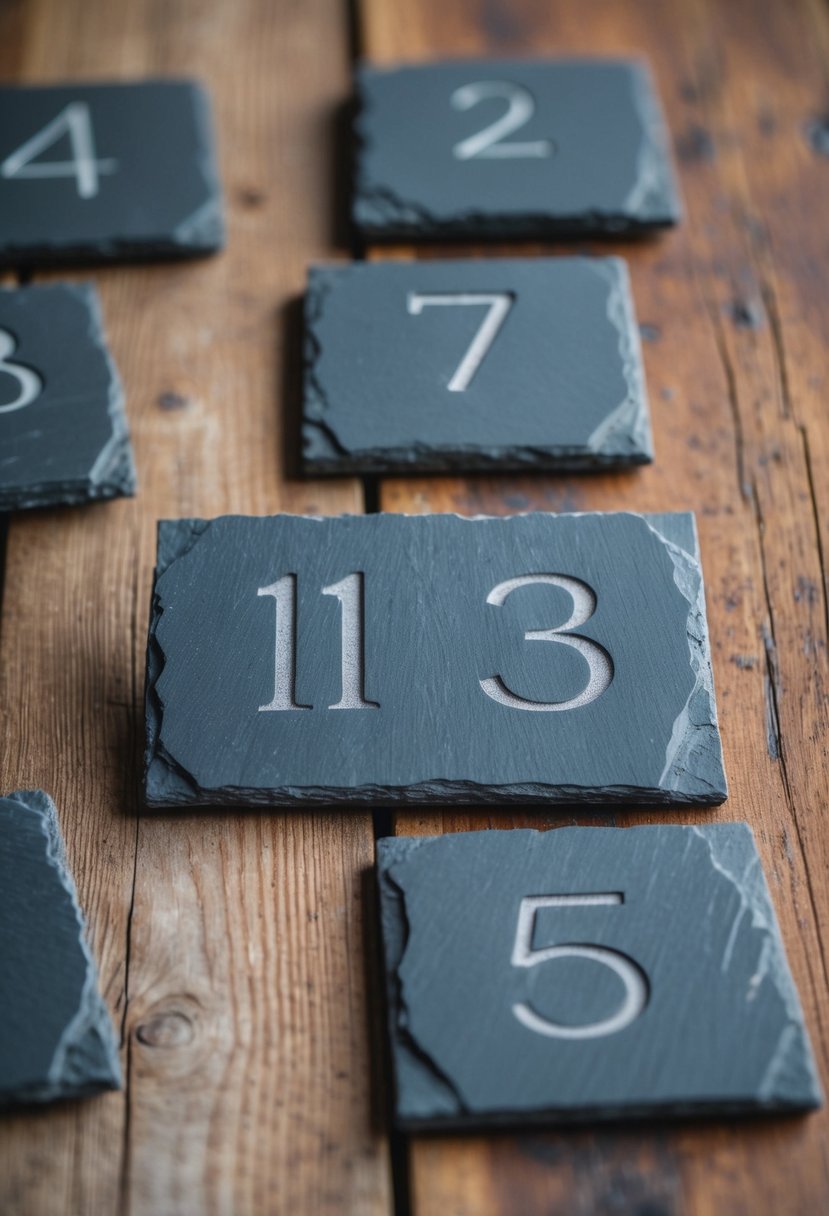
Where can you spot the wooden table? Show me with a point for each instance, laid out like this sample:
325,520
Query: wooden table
235,949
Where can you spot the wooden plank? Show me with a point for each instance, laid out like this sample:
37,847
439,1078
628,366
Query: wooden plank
739,317
231,946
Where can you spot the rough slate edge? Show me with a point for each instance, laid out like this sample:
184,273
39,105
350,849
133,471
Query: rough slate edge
695,735
195,235
113,473
86,1059
623,439
737,862
379,214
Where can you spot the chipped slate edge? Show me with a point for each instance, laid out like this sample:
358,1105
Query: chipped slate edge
734,857
196,235
380,214
86,1058
113,473
622,439
168,784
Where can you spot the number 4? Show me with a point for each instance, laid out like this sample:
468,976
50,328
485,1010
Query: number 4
75,122
498,305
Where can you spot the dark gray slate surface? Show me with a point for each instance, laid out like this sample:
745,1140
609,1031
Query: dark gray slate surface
586,151
486,1028
464,708
56,1037
155,191
393,379
68,443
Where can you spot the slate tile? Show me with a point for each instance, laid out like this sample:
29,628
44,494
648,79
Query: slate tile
430,659
587,974
100,172
56,1037
489,148
488,365
63,432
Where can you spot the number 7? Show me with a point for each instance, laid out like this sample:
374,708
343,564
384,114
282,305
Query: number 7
499,303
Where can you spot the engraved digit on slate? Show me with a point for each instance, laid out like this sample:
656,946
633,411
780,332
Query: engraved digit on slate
523,955
29,383
350,592
498,305
284,689
74,121
598,660
486,144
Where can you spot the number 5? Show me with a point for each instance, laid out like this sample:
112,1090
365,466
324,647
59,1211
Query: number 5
631,975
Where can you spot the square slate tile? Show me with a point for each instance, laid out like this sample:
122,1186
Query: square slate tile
490,148
587,974
63,432
56,1037
430,659
486,365
97,172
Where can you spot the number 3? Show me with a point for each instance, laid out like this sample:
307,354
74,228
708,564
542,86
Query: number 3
598,660
30,385
631,975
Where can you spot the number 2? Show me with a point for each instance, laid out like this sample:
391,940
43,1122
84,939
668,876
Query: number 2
74,121
30,385
486,145
631,975
498,305
598,660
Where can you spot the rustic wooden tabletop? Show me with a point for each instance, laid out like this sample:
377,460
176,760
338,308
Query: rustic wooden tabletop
235,949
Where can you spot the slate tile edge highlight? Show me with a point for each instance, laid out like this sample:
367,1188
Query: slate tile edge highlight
622,439
695,736
380,214
113,473
733,855
86,1059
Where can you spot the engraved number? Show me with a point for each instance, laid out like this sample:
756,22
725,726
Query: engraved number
486,144
75,122
29,383
631,975
498,304
598,660
349,591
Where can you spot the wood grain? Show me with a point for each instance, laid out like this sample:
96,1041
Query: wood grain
230,946
738,320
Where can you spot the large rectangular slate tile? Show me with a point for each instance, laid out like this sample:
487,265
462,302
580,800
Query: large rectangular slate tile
63,432
56,1037
430,659
511,148
97,172
587,973
475,365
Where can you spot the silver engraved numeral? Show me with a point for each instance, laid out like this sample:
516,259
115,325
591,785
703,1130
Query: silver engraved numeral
487,144
524,955
349,591
497,303
29,383
599,662
76,122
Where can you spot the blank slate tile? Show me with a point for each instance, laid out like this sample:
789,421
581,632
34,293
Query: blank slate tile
63,433
430,659
56,1037
106,171
587,973
484,365
511,148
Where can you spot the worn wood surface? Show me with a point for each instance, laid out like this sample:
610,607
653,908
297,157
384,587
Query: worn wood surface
737,311
230,946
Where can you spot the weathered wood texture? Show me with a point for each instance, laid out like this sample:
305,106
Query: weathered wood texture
737,311
230,946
